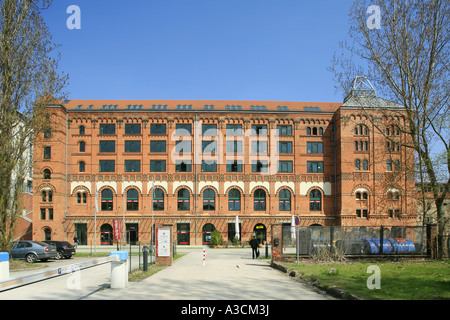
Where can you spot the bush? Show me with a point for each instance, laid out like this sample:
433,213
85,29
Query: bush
216,238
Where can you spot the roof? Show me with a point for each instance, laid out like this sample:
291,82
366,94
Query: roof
200,105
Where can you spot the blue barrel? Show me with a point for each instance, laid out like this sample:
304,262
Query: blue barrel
390,246
403,245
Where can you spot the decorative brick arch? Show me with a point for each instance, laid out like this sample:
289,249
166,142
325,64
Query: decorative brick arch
175,192
361,185
209,187
315,188
81,188
158,187
133,187
287,188
45,186
107,187
234,187
260,187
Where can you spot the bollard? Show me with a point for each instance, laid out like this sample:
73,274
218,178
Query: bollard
4,266
119,270
145,257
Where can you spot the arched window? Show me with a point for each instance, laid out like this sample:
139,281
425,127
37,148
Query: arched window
82,166
132,200
259,200
358,196
44,196
47,174
364,195
314,131
285,200
357,164
234,200
183,199
82,146
209,199
308,131
320,131
315,200
158,200
81,197
107,200
50,196
81,130
365,164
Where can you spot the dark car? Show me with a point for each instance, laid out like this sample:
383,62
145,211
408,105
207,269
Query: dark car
33,251
63,248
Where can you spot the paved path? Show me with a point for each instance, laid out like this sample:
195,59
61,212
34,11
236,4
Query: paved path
229,274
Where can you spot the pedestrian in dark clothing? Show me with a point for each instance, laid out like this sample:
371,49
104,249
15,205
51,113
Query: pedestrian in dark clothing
254,244
75,241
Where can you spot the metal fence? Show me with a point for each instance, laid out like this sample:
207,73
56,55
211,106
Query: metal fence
354,241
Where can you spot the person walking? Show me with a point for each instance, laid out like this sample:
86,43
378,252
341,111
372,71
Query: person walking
254,244
75,241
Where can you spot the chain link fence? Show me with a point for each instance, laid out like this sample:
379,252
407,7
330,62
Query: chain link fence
354,241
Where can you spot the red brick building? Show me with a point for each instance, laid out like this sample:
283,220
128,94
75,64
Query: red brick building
199,164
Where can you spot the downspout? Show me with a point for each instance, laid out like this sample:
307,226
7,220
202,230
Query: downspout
195,178
65,186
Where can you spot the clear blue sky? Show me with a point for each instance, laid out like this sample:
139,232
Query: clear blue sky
201,49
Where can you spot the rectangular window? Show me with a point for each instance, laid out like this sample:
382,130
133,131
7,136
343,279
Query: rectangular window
132,128
314,147
284,166
132,165
133,146
388,165
284,130
259,129
183,146
183,166
314,166
183,129
259,147
158,146
234,146
50,213
42,213
157,165
209,146
209,129
234,129
107,146
234,166
285,147
259,166
107,165
157,128
209,166
47,153
107,128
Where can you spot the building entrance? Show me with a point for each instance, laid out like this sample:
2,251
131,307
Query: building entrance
132,233
81,233
260,232
206,233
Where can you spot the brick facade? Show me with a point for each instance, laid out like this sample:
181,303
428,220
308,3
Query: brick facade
314,148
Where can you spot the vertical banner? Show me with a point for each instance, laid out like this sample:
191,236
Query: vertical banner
117,229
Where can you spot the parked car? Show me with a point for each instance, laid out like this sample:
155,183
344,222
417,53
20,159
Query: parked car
63,248
32,251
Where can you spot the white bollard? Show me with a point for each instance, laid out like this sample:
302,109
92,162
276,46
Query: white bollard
119,270
4,266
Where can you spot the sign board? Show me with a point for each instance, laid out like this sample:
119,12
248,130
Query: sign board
117,229
163,242
297,221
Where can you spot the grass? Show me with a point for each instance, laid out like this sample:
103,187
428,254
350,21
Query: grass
139,274
21,264
425,280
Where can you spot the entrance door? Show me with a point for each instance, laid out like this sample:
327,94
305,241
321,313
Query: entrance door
260,232
81,233
106,237
206,233
132,233
183,234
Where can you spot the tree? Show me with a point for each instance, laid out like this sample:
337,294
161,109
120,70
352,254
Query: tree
402,47
29,80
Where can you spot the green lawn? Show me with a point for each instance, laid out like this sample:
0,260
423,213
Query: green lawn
398,280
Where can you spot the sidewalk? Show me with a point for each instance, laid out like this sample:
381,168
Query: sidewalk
228,275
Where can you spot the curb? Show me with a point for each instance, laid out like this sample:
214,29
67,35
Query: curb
332,291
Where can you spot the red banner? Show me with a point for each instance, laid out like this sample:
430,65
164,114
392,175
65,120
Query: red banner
117,229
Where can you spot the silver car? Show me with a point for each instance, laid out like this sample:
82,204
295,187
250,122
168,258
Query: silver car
32,251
